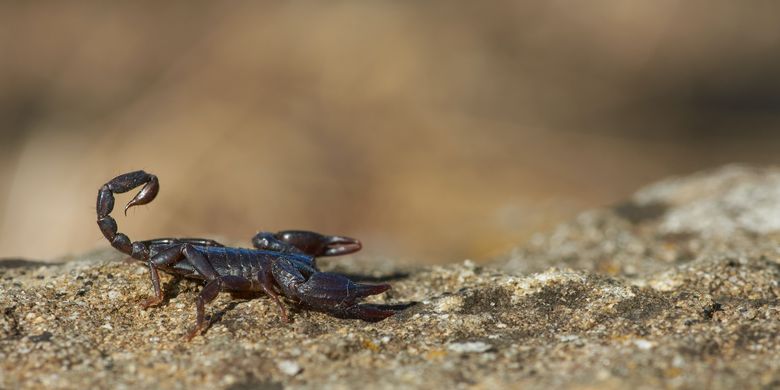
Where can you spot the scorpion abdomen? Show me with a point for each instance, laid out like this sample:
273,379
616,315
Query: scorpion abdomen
249,263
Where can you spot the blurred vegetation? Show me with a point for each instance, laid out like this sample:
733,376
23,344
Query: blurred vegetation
433,131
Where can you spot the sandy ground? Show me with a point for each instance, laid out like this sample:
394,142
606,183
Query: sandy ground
675,288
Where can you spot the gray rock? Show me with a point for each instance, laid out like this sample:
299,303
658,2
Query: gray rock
676,288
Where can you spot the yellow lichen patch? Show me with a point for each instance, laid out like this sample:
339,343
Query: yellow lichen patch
672,372
609,268
368,344
435,354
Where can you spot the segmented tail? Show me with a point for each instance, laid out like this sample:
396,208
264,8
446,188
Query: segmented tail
105,204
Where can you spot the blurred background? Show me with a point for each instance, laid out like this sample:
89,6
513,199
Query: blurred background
433,131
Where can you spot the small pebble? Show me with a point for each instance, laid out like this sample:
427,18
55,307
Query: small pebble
289,367
473,346
643,344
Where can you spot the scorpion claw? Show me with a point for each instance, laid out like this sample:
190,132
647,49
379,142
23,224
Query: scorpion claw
315,244
337,245
364,290
335,294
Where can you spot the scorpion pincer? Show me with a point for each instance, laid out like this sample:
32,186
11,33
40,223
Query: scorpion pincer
281,264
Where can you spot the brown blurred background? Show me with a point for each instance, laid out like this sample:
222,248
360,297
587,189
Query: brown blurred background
433,131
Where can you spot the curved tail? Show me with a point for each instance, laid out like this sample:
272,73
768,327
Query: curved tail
105,204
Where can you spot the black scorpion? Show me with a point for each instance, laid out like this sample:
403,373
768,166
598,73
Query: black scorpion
282,264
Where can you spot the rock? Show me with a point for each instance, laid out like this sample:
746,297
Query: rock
475,346
289,367
735,199
678,287
672,222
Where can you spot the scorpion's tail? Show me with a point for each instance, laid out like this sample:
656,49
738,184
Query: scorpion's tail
105,204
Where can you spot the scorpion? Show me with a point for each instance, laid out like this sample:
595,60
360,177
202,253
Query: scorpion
281,264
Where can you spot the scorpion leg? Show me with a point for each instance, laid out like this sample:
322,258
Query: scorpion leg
267,284
329,292
215,282
209,292
306,242
168,253
164,258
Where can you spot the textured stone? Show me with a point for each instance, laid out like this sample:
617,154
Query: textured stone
676,288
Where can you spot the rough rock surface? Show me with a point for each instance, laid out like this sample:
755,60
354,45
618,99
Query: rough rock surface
678,288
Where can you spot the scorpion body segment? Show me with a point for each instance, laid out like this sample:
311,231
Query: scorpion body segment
281,264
